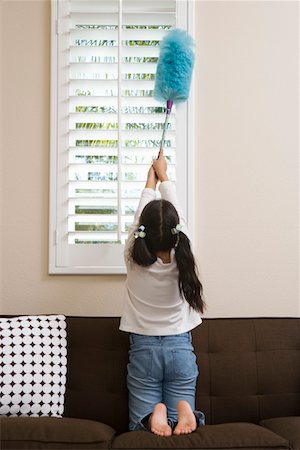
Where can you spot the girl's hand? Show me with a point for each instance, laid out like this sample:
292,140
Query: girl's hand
160,166
151,179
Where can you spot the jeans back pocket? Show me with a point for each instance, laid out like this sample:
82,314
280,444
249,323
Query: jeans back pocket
185,364
140,362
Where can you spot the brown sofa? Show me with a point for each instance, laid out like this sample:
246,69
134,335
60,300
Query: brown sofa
248,388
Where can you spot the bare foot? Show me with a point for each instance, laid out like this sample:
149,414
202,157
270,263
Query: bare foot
186,419
158,421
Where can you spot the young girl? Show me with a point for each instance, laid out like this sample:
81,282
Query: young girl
162,304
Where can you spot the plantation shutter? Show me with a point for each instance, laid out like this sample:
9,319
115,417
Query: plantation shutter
108,125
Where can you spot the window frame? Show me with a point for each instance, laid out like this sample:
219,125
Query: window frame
186,196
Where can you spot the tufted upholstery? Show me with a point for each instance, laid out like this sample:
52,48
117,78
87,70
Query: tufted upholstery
96,377
249,370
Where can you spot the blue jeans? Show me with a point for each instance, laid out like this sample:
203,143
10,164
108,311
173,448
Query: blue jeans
160,369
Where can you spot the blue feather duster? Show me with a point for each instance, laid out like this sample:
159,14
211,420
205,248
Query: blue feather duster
174,70
174,67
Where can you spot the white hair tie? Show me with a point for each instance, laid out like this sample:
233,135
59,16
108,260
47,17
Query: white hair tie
177,229
140,232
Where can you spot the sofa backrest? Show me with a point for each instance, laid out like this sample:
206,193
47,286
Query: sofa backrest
249,369
96,371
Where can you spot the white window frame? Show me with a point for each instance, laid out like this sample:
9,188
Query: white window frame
185,160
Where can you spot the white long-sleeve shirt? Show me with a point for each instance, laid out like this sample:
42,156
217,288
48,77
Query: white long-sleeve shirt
152,302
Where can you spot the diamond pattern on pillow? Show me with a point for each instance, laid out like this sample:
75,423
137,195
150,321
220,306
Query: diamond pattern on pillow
33,365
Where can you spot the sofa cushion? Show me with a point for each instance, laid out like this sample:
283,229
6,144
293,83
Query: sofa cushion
287,427
33,365
54,433
223,436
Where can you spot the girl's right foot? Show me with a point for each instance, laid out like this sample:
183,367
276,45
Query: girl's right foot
186,419
158,421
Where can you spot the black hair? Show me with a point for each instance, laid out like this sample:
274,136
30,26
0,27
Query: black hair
158,218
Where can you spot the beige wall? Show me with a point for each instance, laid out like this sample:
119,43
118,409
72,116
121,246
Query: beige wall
247,165
248,124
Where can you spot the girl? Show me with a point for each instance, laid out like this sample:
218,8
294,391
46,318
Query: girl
163,299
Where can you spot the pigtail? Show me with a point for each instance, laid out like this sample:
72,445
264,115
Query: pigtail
189,284
141,253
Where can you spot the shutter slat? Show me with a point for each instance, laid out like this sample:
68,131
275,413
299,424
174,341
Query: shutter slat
105,118
143,34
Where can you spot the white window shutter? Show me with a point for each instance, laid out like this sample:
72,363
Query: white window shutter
106,126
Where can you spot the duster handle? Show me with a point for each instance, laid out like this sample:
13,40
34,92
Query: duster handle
168,112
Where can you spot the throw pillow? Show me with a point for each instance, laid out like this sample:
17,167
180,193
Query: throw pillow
33,365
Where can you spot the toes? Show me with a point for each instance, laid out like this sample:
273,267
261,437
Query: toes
157,432
179,431
162,432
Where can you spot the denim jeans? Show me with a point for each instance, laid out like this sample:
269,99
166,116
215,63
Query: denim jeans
160,369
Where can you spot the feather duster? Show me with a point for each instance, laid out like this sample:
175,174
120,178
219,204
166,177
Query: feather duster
174,70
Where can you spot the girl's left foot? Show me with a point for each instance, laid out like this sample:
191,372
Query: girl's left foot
186,419
158,421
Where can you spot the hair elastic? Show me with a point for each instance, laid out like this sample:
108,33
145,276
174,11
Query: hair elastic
140,232
177,229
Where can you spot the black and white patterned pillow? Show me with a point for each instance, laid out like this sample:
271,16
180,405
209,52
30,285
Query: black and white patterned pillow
33,365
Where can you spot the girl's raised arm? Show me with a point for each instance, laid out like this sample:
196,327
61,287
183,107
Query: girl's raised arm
147,195
167,189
